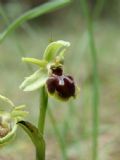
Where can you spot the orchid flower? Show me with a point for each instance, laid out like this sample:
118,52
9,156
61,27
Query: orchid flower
9,116
50,72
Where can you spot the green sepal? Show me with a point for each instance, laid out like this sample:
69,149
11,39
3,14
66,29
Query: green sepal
35,81
19,114
36,138
20,107
40,63
54,49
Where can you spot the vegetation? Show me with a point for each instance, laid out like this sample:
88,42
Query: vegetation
84,127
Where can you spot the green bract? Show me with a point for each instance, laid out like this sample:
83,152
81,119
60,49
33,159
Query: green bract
9,116
54,54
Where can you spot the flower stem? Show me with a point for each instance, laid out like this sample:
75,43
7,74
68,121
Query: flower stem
43,108
42,115
95,106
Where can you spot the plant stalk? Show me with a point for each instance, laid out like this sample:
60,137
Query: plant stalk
95,106
42,115
43,108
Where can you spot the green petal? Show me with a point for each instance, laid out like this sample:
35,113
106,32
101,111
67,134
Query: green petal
35,81
54,49
18,114
40,63
20,107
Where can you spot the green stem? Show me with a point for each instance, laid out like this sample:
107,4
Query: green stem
95,107
95,92
42,115
41,122
58,135
40,156
43,108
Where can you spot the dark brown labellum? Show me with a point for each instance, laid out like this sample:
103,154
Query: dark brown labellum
51,84
63,86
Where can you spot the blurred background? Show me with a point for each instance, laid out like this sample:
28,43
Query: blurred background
74,119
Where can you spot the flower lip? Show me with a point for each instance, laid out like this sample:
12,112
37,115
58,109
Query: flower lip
67,89
51,84
62,86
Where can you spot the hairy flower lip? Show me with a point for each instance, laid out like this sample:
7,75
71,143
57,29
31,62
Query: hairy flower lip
51,83
62,86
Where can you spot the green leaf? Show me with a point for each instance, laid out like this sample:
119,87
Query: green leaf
35,12
36,138
35,81
54,49
40,63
